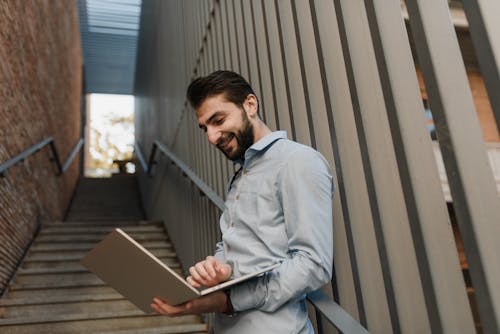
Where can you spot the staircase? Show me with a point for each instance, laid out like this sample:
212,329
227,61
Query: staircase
53,293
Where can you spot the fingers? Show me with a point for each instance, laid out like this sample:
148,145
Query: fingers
163,308
204,272
199,275
214,302
208,273
224,271
191,281
221,271
210,265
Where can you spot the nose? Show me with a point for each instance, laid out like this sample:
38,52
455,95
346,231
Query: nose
213,135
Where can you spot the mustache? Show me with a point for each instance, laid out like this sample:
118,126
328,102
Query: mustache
224,139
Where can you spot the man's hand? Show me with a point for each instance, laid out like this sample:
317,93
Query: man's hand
214,302
208,273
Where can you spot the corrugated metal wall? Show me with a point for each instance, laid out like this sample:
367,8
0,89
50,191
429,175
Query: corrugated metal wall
339,76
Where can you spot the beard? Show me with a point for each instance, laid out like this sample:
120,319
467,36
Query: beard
244,139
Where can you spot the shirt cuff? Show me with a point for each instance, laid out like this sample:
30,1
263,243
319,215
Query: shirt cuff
248,295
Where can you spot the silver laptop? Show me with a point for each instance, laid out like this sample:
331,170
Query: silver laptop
139,276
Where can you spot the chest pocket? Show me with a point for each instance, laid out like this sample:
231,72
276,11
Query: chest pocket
257,202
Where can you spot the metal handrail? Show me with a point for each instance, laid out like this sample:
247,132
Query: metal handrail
323,304
61,168
202,186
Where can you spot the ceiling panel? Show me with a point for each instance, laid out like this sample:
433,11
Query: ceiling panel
109,31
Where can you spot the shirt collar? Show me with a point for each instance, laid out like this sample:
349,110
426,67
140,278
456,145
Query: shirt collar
261,145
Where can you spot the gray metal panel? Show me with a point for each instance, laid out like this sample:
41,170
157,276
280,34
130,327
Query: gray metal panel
277,66
372,301
267,101
444,287
470,177
298,107
318,118
484,25
240,46
109,31
408,309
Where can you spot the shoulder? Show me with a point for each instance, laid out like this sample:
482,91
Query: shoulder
300,158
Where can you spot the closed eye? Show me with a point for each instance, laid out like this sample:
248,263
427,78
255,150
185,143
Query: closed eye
219,121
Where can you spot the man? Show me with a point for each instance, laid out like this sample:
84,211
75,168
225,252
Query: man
278,210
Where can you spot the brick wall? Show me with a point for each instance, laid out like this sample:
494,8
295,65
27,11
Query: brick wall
40,89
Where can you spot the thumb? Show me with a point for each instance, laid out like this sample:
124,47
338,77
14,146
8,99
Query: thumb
226,269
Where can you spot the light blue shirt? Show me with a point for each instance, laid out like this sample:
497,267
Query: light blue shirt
278,210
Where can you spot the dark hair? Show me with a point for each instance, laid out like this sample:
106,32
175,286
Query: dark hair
234,87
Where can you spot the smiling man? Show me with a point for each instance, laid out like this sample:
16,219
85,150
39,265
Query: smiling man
278,210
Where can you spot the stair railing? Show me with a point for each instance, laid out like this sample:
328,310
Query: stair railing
325,307
61,168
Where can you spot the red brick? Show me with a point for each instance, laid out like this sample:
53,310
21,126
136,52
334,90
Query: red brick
40,91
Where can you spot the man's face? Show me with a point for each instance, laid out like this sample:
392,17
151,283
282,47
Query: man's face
227,126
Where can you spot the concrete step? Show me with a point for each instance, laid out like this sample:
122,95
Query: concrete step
61,292
86,217
85,238
43,282
79,280
78,254
105,321
72,263
75,267
58,247
58,279
98,229
192,329
104,223
90,308
8,302
55,281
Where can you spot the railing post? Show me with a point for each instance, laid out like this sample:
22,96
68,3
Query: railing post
152,159
55,156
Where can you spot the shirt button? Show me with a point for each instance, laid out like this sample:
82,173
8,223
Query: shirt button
237,197
232,225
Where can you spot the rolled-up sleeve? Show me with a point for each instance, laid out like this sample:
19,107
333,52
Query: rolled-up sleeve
305,190
219,252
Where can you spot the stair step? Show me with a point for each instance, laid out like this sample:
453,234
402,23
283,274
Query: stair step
90,308
30,282
7,302
86,217
49,247
35,268
61,292
78,254
58,279
74,268
191,328
105,321
85,238
59,283
98,229
104,223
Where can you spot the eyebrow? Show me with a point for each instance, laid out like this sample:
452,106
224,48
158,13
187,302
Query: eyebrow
217,113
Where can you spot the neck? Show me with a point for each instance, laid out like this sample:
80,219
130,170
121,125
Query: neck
260,131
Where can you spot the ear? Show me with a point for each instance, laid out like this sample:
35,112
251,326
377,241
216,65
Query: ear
251,105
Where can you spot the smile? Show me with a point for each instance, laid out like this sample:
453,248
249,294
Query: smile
223,145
